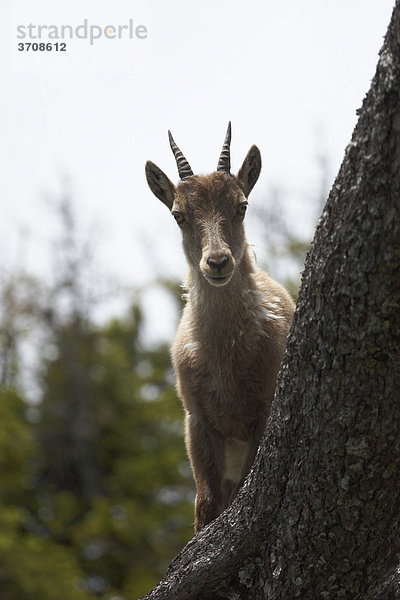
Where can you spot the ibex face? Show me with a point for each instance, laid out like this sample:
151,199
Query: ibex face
209,209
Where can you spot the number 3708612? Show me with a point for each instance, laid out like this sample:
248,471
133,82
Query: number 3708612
42,47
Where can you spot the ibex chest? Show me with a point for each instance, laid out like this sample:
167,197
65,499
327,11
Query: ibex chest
226,359
226,383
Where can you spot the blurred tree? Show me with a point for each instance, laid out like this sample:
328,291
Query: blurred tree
126,528
283,249
113,481
17,315
32,566
284,243
96,491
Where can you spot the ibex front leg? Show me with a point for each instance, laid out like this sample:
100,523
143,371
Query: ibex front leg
205,447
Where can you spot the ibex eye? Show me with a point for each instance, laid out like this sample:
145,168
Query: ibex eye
179,218
242,208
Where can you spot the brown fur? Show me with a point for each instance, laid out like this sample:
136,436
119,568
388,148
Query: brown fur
232,335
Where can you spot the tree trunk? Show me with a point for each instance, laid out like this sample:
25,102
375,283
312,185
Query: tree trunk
318,515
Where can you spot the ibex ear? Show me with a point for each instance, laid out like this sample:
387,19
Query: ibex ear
159,184
250,170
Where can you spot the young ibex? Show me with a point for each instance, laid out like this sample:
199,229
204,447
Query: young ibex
232,334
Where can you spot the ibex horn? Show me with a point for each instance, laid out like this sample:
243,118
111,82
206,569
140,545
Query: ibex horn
224,163
184,169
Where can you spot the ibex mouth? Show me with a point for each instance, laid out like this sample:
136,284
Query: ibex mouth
218,281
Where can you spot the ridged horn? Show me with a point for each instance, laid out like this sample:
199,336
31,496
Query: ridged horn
224,163
184,169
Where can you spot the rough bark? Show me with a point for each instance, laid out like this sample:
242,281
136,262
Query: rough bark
318,515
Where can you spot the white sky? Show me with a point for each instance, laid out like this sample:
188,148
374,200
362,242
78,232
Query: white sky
289,75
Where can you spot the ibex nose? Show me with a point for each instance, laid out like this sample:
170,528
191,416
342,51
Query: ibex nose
218,262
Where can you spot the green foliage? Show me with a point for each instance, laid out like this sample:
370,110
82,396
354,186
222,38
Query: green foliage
113,481
96,495
16,447
31,566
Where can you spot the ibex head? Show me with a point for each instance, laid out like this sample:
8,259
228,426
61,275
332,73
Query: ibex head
209,209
